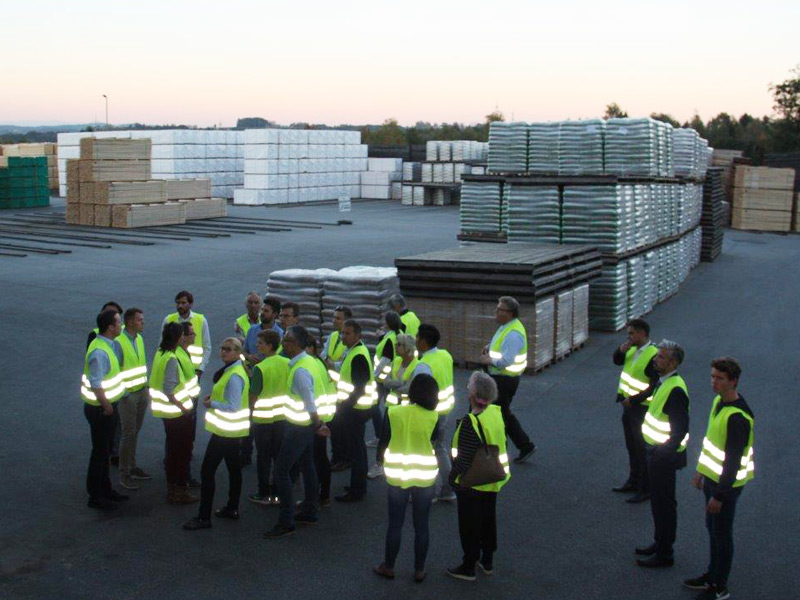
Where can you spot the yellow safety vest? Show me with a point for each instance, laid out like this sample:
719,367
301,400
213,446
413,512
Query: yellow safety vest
520,362
113,383
409,460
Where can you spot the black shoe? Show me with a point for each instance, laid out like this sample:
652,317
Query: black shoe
461,572
349,497
340,466
116,496
639,497
625,487
697,583
227,513
197,523
655,562
486,567
102,504
646,550
279,531
324,502
302,519
526,453
714,593
193,483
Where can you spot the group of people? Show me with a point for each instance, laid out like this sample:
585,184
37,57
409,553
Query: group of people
283,392
655,420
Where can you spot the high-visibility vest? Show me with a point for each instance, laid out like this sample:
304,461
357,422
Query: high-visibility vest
244,323
412,323
159,402
326,403
189,373
655,427
345,387
336,349
134,362
113,383
196,349
389,336
441,364
230,424
394,396
271,402
494,431
633,380
520,362
712,456
409,459
295,408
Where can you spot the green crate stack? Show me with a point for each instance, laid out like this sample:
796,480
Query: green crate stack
24,183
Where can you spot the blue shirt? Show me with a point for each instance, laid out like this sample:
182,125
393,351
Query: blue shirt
232,396
303,384
251,341
99,365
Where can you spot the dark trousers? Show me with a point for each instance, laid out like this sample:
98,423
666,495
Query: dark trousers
102,428
338,426
661,468
322,465
297,449
421,500
356,421
179,448
720,533
220,448
267,437
247,446
376,412
506,388
477,525
632,419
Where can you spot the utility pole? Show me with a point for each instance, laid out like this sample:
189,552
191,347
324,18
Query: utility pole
106,97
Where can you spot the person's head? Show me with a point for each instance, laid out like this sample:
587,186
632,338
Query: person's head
725,373
424,391
253,304
482,390
230,350
109,323
393,322
171,336
295,340
187,339
397,303
406,346
312,347
134,320
289,313
638,332
507,310
184,302
669,357
427,337
268,342
340,315
270,310
351,332
112,305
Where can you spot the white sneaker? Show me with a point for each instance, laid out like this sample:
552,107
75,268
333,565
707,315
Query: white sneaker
375,471
445,497
373,443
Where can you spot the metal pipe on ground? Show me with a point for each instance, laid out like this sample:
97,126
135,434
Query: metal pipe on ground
34,249
6,236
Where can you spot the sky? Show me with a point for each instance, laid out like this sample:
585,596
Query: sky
210,63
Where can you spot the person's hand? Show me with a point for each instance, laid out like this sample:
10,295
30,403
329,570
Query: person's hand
108,409
184,410
485,359
626,403
485,349
207,401
697,480
323,431
199,373
626,345
714,506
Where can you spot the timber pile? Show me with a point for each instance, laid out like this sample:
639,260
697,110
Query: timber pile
724,159
47,150
712,219
762,198
147,215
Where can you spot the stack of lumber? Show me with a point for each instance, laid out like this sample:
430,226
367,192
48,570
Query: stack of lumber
23,182
47,150
724,159
712,221
762,198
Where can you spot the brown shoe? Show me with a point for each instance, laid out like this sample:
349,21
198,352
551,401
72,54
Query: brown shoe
383,571
181,495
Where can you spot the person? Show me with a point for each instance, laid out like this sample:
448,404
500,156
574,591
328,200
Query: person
268,394
411,321
636,381
411,471
506,358
107,306
102,387
326,408
189,375
477,505
289,314
332,354
666,433
228,421
441,365
725,466
382,365
241,326
200,350
133,405
357,393
302,425
172,401
268,314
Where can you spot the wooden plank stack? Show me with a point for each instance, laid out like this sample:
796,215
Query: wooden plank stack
724,159
763,198
30,150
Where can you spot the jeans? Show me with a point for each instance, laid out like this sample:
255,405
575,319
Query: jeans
356,421
421,500
179,448
441,446
720,533
661,467
132,409
297,449
267,438
506,388
220,448
101,427
632,419
477,526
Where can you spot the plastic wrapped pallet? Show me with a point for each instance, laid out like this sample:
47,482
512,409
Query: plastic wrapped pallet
432,151
445,151
544,333
412,171
608,298
580,315
563,328
533,213
601,215
543,148
580,147
481,207
408,195
420,196
427,172
397,190
650,280
632,147
686,155
508,147
304,286
636,286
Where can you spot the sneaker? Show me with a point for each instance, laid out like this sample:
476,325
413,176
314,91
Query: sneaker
461,572
279,531
302,519
274,501
375,471
445,497
697,583
714,593
525,454
486,567
227,513
197,523
373,443
138,473
383,571
259,499
128,483
324,502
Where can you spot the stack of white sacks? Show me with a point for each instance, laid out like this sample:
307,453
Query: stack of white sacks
379,180
283,166
217,155
303,286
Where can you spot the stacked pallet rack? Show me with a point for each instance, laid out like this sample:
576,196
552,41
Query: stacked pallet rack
712,221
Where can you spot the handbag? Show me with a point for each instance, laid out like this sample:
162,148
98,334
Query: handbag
486,466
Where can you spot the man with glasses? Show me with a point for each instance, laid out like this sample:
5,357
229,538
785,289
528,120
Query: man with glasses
244,322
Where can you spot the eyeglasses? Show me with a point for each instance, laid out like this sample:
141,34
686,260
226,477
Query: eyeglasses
227,349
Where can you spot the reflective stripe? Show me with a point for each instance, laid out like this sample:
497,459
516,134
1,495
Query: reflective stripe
271,402
192,387
196,353
238,421
410,459
711,452
112,387
454,453
656,435
632,382
661,426
410,474
446,399
160,401
268,414
334,375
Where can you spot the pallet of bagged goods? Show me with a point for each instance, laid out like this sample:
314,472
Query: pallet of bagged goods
762,198
129,216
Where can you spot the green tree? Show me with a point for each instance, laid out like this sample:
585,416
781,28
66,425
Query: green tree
787,97
495,116
613,111
666,118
